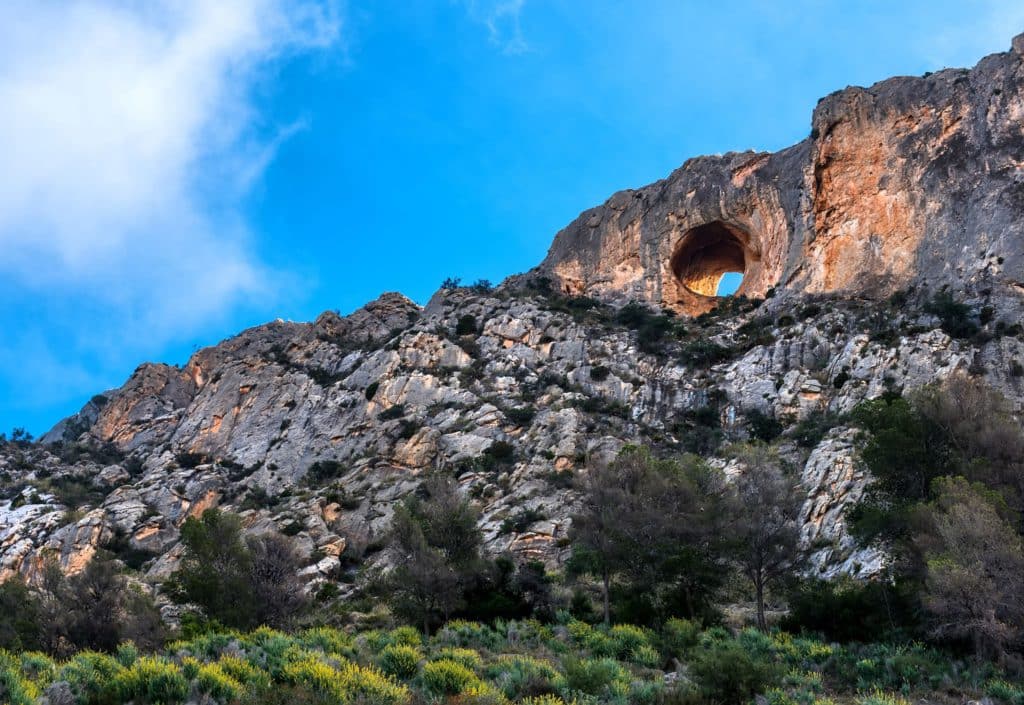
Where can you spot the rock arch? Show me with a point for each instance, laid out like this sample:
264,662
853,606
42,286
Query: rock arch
702,255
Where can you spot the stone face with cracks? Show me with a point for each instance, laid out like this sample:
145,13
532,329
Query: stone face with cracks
911,182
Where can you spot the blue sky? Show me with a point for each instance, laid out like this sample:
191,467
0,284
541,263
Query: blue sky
176,171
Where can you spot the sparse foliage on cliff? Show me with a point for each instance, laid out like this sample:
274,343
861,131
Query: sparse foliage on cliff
954,316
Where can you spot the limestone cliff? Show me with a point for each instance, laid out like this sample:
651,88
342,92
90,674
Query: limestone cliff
911,182
319,429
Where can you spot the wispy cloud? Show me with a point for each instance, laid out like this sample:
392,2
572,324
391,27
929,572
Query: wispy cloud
129,135
502,20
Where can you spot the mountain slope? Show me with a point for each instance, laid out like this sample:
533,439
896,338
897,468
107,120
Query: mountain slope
320,428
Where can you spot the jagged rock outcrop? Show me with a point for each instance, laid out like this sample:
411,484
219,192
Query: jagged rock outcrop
319,429
911,182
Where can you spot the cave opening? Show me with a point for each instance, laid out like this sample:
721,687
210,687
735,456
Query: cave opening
711,259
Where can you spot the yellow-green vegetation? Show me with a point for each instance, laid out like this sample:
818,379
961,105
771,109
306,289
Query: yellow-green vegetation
516,662
400,661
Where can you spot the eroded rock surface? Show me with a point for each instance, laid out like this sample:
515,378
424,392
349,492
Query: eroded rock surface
913,181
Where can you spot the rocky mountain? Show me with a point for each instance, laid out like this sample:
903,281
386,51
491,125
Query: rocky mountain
911,182
904,192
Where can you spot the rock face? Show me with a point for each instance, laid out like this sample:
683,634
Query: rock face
319,429
911,182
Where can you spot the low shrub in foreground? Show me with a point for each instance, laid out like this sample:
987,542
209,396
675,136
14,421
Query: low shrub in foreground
508,663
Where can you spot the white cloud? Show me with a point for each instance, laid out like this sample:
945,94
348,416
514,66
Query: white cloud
501,18
118,116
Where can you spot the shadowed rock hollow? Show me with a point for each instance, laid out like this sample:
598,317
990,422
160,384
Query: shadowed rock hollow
705,254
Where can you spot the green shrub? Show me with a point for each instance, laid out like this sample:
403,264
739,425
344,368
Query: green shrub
762,426
521,521
596,641
213,680
466,657
460,632
702,353
519,676
500,451
646,656
153,680
92,677
809,432
405,636
447,677
542,700
1004,691
880,698
328,640
651,328
953,315
601,676
392,413
725,672
37,667
126,654
645,692
627,639
678,636
244,672
400,661
14,689
344,685
323,471
466,325
521,416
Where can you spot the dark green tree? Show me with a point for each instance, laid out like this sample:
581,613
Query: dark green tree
975,566
240,583
651,525
20,628
436,544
